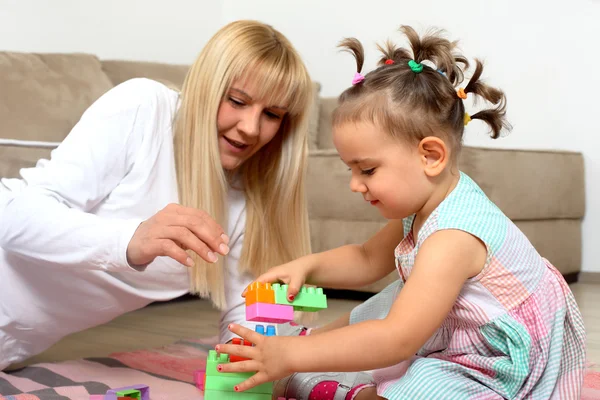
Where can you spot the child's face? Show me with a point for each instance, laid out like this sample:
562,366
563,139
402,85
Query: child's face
388,173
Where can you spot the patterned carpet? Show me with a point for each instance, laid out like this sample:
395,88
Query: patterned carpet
168,371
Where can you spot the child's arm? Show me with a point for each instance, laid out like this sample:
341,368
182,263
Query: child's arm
359,265
346,267
446,260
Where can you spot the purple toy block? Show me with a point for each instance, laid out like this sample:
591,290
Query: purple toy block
143,389
274,313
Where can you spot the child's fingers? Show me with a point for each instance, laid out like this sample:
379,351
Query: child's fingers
293,289
237,350
255,380
267,277
239,366
246,334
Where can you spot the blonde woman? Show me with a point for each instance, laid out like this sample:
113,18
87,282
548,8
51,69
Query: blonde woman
155,193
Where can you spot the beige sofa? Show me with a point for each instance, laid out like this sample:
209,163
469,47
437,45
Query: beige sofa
43,95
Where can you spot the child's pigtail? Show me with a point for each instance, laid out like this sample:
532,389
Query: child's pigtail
392,54
494,117
435,48
354,47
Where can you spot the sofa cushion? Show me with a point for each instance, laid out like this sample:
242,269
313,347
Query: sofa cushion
526,185
43,97
529,185
325,137
314,118
168,74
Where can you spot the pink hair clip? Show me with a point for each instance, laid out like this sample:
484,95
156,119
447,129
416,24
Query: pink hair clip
358,78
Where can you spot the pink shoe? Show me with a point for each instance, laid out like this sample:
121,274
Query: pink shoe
300,385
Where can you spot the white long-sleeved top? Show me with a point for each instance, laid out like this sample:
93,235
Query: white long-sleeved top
66,224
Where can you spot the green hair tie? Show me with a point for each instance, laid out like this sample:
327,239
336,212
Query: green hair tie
416,67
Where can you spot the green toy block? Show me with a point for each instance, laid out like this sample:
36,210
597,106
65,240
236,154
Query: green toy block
216,395
308,299
225,383
134,394
212,361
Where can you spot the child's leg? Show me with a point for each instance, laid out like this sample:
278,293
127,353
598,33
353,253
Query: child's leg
323,386
368,393
378,306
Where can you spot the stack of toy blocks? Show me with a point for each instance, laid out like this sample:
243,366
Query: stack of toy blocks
264,303
269,303
219,385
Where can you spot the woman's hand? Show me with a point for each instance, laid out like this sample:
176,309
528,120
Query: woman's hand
294,274
172,231
267,357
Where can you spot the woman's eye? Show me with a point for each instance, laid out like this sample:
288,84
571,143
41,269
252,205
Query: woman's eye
272,115
236,102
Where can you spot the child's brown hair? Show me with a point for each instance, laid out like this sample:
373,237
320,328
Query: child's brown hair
412,96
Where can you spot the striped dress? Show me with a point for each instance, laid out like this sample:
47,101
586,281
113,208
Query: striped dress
515,331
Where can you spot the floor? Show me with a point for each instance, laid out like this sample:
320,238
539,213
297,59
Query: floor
161,324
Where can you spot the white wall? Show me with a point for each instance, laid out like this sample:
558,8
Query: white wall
542,53
151,30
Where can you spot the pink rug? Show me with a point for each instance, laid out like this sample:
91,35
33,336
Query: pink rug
167,370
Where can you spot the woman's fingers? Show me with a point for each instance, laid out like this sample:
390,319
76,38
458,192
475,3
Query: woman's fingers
188,240
166,247
204,228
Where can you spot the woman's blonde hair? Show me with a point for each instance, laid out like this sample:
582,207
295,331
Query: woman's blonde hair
277,228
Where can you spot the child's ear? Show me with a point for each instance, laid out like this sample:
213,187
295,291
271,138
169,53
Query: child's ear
434,155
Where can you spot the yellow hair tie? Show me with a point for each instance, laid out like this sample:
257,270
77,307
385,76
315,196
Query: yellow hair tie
467,119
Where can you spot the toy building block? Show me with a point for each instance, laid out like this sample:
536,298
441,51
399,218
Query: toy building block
140,392
216,395
241,342
225,381
199,377
270,330
308,299
260,293
264,312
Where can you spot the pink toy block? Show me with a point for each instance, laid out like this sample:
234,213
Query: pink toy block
274,313
199,375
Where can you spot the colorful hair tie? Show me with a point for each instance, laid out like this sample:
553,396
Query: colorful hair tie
389,61
467,119
461,93
358,78
416,67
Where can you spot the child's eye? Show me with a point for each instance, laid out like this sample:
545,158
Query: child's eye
368,171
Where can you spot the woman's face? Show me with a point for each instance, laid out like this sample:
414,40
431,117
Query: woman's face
245,123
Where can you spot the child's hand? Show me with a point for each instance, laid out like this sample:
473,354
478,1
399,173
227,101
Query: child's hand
267,357
294,274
